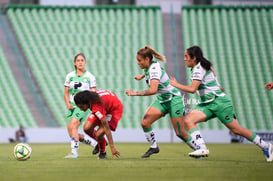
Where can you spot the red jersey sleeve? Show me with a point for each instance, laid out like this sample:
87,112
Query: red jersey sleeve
99,111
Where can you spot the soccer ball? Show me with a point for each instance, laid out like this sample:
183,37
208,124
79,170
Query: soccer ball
22,151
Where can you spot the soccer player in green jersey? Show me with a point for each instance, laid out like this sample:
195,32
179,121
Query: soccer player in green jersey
77,80
213,103
169,99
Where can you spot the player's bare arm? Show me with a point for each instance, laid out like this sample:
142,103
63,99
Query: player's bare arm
110,139
151,91
66,98
191,89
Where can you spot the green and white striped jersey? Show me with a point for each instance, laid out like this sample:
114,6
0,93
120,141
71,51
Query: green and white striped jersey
79,83
165,91
209,86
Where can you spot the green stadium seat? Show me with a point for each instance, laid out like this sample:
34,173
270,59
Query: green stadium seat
104,35
237,41
13,109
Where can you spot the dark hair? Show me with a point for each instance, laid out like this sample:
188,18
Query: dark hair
76,56
87,97
149,52
196,51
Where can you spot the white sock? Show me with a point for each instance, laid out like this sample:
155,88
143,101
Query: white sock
190,143
260,142
74,146
197,139
150,136
89,141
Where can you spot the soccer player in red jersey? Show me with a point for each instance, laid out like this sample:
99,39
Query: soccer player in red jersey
106,110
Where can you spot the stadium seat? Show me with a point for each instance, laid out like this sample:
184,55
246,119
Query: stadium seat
237,40
13,110
52,38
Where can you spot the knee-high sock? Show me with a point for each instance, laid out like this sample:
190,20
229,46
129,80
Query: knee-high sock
89,141
102,145
195,140
74,146
258,141
150,136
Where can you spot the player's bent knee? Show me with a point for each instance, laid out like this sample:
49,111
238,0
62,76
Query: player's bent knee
145,125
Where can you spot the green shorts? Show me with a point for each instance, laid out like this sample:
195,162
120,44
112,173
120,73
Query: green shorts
221,108
175,107
78,114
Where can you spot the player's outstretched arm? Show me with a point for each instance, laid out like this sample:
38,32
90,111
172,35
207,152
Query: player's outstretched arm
151,91
110,139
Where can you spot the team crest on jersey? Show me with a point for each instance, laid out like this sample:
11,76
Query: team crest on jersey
85,79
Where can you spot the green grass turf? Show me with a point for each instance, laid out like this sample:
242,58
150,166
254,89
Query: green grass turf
226,162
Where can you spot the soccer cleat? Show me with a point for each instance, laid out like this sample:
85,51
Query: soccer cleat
96,149
150,152
71,155
199,153
268,153
102,156
199,158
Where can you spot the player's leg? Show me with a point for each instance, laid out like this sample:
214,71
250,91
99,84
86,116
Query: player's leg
195,139
91,131
112,119
176,110
92,135
151,115
86,139
179,128
267,148
228,118
101,142
72,128
89,128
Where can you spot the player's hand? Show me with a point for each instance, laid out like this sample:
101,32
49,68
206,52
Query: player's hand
69,106
269,86
115,152
130,93
139,77
173,81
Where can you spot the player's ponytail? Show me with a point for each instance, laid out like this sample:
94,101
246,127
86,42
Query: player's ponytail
196,51
149,52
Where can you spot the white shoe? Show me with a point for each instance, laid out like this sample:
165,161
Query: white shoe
71,155
201,152
268,153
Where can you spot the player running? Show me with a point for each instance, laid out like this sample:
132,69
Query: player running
107,110
169,99
213,103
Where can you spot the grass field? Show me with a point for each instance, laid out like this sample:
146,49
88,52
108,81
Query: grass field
226,162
